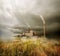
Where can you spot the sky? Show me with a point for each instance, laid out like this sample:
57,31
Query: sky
26,13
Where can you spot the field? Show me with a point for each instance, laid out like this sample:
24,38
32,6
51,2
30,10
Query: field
30,47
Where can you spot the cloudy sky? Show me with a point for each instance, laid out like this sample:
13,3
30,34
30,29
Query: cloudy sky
26,13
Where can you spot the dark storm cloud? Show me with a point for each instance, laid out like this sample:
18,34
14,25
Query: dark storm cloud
17,12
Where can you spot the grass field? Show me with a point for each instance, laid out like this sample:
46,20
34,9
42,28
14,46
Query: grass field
30,47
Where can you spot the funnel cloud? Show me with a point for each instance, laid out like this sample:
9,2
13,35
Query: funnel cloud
25,13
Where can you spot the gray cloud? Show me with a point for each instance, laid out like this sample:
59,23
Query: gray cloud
22,12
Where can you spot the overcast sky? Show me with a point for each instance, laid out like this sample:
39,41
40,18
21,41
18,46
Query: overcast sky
18,12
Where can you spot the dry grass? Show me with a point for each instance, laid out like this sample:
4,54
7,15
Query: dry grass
29,47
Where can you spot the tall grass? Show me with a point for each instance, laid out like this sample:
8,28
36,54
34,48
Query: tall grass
29,47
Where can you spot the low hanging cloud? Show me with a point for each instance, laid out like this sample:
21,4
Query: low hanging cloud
18,12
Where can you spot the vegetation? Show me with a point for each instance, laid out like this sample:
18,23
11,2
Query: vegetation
29,47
